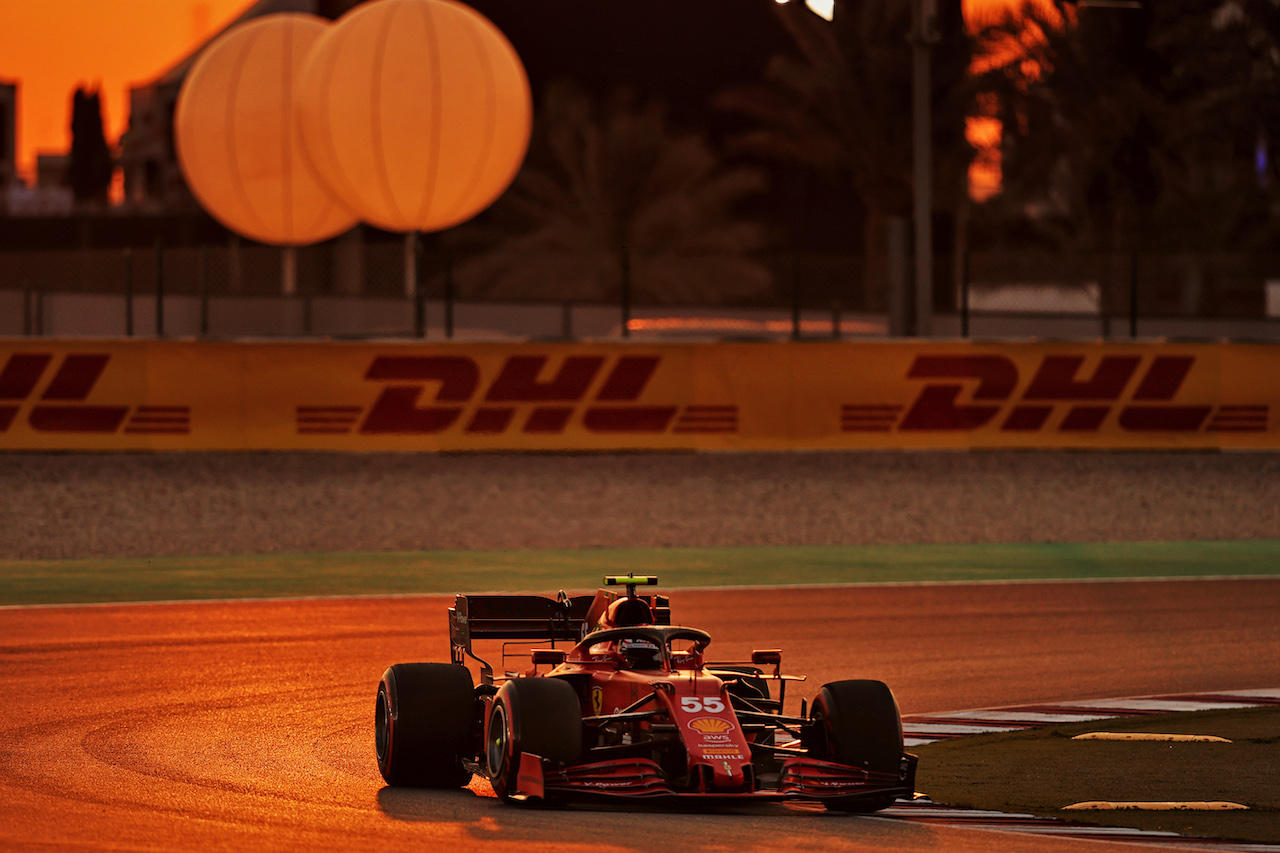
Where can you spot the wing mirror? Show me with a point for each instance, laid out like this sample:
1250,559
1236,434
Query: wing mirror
555,657
767,657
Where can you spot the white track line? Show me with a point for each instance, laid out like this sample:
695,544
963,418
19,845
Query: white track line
712,588
920,729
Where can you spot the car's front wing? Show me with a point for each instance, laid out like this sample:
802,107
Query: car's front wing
801,778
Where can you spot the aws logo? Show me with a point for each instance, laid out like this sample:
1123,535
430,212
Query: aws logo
54,400
1061,395
425,395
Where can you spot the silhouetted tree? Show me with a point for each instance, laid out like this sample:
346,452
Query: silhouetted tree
610,185
90,167
842,107
1137,128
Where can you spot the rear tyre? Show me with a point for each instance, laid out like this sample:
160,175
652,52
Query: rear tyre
857,723
538,716
422,724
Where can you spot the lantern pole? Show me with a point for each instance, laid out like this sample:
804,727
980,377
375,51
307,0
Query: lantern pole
417,299
924,35
289,271
410,264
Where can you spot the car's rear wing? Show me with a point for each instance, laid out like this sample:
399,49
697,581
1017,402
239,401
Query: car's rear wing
533,618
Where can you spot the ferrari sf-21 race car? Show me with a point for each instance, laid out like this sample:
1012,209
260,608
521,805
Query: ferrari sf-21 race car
631,709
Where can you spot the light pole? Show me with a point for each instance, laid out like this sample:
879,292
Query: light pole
924,34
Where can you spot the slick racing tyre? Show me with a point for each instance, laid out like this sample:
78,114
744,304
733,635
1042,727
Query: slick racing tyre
538,716
857,723
422,724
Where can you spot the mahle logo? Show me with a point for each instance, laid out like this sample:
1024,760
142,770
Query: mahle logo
1061,395
426,395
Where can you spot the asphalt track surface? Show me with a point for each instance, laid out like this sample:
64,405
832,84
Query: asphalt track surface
249,725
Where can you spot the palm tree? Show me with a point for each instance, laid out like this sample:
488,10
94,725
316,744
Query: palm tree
1224,77
1079,123
840,107
613,192
1132,128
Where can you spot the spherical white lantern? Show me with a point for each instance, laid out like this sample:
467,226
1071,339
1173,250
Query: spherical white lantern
236,141
416,113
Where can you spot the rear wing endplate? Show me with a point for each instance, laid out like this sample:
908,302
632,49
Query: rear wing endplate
534,618
512,617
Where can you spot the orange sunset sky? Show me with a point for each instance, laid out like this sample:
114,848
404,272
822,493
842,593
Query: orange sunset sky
51,46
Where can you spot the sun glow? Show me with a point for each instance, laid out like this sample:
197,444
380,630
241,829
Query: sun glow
984,171
50,47
983,131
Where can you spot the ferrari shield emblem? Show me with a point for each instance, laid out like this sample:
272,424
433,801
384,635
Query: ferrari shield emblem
597,700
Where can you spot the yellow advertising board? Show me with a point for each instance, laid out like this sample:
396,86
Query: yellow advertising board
188,395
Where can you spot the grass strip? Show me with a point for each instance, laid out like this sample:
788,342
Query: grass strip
25,582
1040,771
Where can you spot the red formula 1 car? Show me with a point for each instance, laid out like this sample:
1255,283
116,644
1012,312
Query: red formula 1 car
633,710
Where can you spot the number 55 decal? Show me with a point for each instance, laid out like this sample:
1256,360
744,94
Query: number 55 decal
698,704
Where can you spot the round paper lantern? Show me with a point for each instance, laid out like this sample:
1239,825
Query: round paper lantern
416,113
236,140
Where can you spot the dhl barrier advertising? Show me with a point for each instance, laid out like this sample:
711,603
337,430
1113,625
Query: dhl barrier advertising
179,395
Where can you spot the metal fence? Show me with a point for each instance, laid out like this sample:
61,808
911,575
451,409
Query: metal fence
358,290
1127,294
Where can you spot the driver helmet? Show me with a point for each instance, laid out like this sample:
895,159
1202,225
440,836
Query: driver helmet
629,612
641,654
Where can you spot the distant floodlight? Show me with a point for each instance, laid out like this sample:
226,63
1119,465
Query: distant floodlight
825,9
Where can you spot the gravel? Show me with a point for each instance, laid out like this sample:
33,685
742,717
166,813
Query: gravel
141,505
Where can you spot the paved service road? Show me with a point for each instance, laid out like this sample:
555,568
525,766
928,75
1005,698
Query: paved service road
249,726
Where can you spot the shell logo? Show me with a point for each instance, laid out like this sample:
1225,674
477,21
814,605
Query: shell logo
710,725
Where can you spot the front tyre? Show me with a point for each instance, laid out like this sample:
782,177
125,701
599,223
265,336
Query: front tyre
857,723
422,724
537,716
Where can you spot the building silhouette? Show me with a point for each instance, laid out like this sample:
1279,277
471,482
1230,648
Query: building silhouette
152,179
8,136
